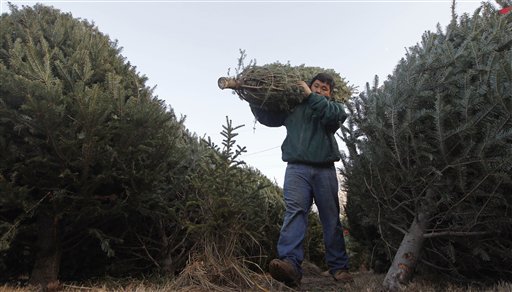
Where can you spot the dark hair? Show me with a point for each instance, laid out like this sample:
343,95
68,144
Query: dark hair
326,78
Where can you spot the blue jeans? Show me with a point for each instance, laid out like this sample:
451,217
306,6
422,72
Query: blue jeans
302,184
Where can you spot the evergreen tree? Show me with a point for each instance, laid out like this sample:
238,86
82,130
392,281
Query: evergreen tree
430,154
84,147
232,215
98,177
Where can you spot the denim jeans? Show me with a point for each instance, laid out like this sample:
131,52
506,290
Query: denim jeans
302,184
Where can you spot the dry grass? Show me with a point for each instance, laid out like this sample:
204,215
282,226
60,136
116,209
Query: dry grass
209,273
214,274
196,279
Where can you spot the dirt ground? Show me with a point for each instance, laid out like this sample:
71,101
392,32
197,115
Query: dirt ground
311,282
314,281
321,283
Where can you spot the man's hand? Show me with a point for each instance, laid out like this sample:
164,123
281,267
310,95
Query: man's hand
304,87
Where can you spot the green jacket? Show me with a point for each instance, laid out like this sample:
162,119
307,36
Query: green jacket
310,129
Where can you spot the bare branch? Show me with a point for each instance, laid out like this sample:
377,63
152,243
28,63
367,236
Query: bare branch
146,250
378,218
456,233
403,231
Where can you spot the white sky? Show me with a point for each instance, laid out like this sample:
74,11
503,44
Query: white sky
183,47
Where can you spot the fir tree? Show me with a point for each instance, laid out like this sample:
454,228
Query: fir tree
430,152
84,142
98,177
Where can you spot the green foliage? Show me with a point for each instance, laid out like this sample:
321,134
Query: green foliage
86,144
82,138
241,210
441,125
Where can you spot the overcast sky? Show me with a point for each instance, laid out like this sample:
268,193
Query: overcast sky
183,47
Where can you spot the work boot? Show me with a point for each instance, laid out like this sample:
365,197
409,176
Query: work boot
285,272
343,276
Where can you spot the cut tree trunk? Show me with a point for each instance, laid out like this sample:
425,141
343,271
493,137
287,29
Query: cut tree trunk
46,267
226,82
407,256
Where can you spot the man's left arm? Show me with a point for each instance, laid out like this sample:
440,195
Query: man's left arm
331,113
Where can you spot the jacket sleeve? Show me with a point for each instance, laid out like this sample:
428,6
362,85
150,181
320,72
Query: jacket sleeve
331,113
268,118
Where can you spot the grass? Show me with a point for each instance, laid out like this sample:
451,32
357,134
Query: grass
364,281
210,270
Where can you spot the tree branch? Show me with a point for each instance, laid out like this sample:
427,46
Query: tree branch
403,231
456,233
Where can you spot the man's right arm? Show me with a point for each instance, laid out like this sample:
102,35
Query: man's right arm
268,118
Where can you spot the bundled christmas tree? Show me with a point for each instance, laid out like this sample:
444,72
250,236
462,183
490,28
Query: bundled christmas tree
275,86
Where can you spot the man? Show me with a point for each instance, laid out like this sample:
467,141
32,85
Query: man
310,149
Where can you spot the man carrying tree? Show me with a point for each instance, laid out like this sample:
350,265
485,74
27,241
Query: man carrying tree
310,149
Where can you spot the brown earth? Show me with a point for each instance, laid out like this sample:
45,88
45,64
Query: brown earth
314,281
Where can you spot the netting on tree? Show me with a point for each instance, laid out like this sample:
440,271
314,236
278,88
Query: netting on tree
275,86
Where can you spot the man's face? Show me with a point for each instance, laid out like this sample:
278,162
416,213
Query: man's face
321,88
